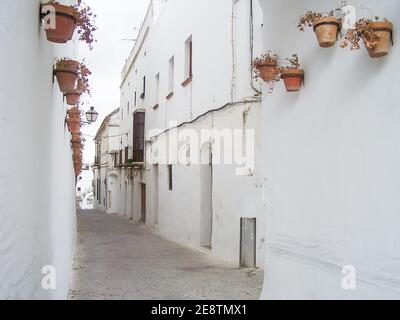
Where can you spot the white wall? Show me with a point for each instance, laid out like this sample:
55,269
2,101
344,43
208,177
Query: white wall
331,155
37,184
221,74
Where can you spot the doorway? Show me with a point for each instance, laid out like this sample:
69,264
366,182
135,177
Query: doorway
155,194
206,186
248,242
143,203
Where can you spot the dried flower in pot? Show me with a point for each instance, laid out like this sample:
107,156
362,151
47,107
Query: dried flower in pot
326,27
73,96
292,75
66,72
77,147
377,36
85,23
76,138
265,67
74,113
69,18
65,22
76,153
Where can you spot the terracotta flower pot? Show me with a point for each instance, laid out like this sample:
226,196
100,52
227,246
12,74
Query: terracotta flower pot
327,30
293,78
77,159
77,169
268,70
73,97
76,154
384,32
76,137
74,113
65,24
66,72
76,148
74,124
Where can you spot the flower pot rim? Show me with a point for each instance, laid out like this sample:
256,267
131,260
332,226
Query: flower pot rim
67,65
382,26
327,21
288,72
268,63
62,9
73,91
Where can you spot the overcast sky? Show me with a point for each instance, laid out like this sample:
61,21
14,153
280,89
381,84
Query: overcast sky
116,20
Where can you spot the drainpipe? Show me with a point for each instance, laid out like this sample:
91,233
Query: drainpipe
251,37
252,47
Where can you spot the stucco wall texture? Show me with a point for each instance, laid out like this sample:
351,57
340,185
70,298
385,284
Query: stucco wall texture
37,183
331,156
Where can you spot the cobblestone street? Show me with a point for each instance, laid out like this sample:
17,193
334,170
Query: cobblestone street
118,259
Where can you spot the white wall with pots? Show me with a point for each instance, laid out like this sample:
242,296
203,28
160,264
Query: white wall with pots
37,181
331,154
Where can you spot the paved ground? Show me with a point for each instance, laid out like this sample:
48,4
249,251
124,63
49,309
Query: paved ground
117,259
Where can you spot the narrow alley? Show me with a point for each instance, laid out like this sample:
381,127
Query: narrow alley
119,260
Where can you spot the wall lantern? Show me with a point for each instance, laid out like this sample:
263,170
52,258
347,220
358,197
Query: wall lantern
91,115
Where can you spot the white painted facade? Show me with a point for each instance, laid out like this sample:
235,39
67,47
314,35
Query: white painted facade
331,155
105,175
37,180
205,206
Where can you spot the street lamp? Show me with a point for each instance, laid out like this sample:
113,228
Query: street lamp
91,115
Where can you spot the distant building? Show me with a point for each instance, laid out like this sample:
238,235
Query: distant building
108,143
84,188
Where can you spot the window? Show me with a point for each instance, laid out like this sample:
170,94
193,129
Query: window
135,98
128,109
157,91
138,137
171,79
189,58
143,95
79,189
126,154
170,186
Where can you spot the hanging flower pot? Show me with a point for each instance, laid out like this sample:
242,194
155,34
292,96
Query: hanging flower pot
64,24
376,35
265,67
74,113
73,96
326,26
77,159
76,153
293,79
76,148
74,124
66,72
380,46
76,137
292,75
327,30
